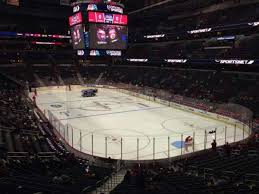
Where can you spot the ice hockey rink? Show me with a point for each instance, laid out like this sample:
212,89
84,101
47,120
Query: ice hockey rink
118,125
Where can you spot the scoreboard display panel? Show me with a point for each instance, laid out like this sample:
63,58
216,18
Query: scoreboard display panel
108,8
75,19
108,18
98,28
77,35
99,53
103,36
98,7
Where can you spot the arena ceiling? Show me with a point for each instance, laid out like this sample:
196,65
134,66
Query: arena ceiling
130,5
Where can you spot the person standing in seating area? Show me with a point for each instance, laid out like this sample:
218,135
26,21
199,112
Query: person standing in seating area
188,142
214,145
34,99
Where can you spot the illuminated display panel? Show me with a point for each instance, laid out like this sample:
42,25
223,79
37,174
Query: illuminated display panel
47,43
99,53
96,53
103,36
75,19
77,34
109,18
13,2
103,7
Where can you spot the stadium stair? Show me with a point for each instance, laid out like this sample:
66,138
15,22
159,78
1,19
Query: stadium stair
110,183
80,79
39,80
98,80
2,144
61,81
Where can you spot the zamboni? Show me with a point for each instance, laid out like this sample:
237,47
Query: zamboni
89,93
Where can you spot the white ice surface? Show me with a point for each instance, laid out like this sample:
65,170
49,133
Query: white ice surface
119,116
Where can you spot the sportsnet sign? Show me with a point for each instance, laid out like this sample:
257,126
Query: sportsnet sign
200,31
236,62
154,36
176,60
253,24
138,60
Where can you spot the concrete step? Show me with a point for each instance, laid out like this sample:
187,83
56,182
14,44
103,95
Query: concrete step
39,80
111,183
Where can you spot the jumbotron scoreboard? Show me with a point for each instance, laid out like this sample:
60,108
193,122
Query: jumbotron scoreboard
98,28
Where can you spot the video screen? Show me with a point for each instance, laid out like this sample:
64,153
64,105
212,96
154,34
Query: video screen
13,2
103,36
77,34
75,19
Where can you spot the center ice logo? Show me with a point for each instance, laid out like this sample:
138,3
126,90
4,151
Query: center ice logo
56,105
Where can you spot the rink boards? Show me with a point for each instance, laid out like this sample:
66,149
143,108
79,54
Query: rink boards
125,125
